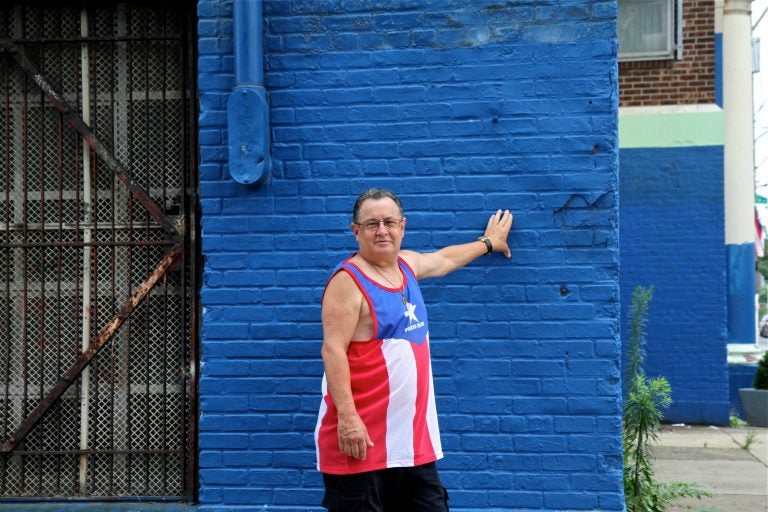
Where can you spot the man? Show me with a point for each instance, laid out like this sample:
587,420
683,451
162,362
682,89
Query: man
377,436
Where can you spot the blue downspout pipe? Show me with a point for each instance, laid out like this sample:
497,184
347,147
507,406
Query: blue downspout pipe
247,109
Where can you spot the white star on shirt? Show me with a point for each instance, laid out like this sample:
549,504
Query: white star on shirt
410,312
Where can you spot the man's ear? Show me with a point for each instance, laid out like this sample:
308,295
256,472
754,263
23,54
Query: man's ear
355,229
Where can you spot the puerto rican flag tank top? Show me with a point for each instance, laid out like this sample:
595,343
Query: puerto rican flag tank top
391,377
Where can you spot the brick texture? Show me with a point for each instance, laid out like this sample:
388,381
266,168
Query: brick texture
676,82
461,108
672,237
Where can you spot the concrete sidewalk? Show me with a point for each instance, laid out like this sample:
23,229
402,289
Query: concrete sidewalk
731,463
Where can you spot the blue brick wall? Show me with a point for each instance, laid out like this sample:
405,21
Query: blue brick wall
672,237
460,108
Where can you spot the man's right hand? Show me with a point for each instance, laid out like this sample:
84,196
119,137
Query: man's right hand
353,437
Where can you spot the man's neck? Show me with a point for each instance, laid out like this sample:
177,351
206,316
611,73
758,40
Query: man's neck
382,264
385,272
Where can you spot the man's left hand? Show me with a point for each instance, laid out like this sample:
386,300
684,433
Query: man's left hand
498,229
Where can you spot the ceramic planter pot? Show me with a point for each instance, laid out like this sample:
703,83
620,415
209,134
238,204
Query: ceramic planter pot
755,404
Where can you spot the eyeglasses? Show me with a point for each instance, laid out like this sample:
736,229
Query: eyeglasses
373,225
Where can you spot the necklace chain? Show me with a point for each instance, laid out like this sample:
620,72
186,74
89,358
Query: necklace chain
402,291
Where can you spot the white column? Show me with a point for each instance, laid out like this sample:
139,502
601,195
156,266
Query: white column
739,169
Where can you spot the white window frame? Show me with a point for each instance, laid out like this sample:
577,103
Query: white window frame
671,14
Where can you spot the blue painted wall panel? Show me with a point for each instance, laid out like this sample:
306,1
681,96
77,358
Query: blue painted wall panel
461,108
740,262
672,237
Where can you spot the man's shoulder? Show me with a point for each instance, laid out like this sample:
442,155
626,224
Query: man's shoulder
412,259
342,277
341,288
409,256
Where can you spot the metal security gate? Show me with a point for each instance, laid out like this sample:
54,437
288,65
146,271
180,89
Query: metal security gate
97,251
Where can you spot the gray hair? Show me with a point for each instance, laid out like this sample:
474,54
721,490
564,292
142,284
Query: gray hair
375,194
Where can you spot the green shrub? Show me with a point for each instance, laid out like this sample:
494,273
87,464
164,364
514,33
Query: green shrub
761,376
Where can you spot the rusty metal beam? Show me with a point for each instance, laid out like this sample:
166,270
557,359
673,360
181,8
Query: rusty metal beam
75,121
169,260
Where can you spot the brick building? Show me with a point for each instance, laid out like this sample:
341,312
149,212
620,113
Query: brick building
460,108
672,206
689,80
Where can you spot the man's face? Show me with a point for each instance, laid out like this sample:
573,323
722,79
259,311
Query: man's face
383,240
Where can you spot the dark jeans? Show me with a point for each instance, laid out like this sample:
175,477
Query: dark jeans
416,489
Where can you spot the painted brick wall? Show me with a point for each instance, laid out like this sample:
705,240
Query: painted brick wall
672,82
672,237
461,109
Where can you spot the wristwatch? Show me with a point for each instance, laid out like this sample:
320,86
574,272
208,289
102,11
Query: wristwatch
488,244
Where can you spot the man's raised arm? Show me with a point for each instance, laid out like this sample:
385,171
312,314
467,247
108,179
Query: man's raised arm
453,257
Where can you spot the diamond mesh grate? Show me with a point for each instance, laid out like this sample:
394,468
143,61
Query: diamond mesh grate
74,246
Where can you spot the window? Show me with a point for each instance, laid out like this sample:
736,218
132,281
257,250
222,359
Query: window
646,29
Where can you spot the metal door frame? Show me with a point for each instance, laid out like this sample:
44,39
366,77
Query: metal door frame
178,249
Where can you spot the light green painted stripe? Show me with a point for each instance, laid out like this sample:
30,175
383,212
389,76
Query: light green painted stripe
670,128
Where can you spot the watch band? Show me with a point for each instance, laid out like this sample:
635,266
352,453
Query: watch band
488,244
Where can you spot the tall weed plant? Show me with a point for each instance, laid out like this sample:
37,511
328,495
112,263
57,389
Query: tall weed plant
645,398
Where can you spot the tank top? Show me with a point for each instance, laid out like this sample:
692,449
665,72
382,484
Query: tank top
391,379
